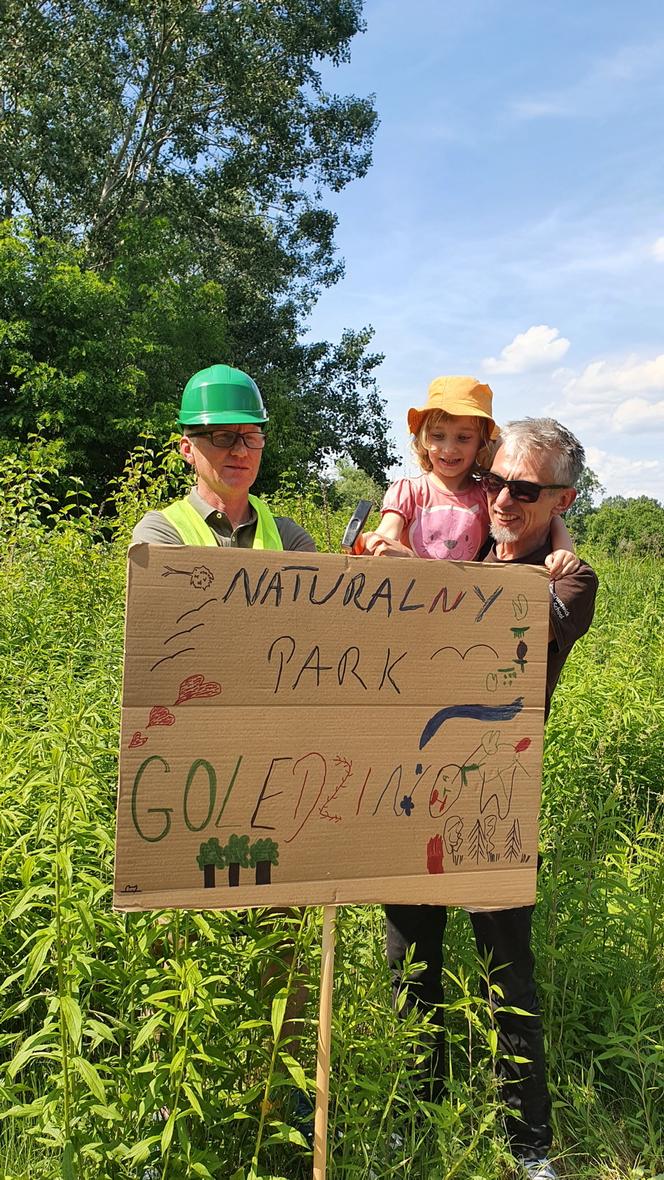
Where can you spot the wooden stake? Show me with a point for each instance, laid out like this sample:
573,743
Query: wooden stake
324,1042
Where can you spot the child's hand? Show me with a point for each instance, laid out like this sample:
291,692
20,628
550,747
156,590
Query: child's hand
377,545
387,533
561,562
388,548
366,543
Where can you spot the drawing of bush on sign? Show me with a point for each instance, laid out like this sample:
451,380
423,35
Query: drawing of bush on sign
236,855
210,857
262,855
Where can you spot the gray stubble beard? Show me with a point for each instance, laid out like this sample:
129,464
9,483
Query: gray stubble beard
502,535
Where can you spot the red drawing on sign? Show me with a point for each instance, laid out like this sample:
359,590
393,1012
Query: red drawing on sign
522,745
137,740
159,715
435,855
197,686
347,772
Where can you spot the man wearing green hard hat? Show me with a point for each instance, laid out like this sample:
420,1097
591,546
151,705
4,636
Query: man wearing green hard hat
224,425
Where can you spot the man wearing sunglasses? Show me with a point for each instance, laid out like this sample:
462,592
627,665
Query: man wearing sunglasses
224,424
531,480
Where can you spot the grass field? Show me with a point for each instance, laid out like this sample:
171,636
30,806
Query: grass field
107,1019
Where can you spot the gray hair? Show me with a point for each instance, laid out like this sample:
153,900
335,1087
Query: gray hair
546,438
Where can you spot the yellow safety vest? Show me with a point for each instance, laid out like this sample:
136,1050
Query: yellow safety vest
194,530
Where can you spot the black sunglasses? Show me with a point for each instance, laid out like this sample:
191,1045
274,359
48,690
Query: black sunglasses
519,489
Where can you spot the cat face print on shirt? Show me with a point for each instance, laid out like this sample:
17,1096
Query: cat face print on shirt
450,532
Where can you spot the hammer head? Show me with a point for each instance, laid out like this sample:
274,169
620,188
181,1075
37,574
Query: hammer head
355,525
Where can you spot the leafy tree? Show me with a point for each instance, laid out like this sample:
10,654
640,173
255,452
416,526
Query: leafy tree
212,110
588,489
93,359
323,403
628,526
353,484
194,143
89,359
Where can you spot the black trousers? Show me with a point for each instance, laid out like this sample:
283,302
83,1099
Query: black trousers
506,935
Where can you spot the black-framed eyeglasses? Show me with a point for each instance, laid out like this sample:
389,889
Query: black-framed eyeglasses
519,489
227,439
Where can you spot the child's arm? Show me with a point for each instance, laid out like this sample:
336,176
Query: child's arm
389,529
562,560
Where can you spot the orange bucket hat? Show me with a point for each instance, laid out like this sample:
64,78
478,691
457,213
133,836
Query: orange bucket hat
456,395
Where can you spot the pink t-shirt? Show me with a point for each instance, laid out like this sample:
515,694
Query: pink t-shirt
446,525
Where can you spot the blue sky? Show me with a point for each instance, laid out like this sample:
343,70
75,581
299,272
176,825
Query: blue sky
512,224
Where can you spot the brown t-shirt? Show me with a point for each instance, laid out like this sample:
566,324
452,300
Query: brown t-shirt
570,614
155,529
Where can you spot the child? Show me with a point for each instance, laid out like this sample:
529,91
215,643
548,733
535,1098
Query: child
443,512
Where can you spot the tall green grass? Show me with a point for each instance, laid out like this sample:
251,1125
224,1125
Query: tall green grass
153,1039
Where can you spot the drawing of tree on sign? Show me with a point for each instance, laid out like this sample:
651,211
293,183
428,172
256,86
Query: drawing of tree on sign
236,855
262,855
210,856
201,578
513,844
477,849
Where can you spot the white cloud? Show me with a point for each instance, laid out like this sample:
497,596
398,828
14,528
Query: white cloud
636,415
619,404
601,462
537,348
622,476
541,108
658,249
599,257
605,383
597,91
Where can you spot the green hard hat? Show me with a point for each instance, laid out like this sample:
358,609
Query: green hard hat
221,394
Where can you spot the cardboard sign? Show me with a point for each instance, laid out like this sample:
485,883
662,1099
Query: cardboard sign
318,729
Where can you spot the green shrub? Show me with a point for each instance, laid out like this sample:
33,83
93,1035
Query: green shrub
108,1018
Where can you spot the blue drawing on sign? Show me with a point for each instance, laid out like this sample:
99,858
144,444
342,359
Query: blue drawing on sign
474,712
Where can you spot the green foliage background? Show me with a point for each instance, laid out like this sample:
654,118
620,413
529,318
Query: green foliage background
625,526
109,1019
92,358
163,178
